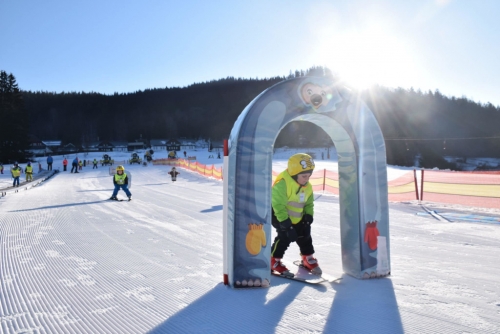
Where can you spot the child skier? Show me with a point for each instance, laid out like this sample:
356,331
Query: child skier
16,173
29,172
174,174
292,214
120,180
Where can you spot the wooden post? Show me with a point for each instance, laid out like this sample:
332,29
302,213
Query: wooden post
422,187
416,184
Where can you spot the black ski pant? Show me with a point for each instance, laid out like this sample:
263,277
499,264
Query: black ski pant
49,165
281,242
74,167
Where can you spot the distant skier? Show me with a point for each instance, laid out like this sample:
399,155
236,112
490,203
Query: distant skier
120,180
65,163
29,172
174,174
95,163
74,165
292,214
50,160
16,173
80,164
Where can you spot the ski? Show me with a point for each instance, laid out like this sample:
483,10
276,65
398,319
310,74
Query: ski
325,277
309,280
117,200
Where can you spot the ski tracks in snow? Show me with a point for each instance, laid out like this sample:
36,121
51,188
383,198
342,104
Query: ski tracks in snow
74,262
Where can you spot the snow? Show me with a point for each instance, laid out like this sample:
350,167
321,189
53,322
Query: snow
73,262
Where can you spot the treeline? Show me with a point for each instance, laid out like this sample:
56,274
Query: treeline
14,124
432,126
412,122
205,110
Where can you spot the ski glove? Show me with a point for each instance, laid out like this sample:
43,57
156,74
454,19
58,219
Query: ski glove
307,219
286,226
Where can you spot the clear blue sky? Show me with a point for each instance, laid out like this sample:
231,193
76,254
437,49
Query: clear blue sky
125,46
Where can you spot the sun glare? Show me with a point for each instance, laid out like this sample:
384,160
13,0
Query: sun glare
371,57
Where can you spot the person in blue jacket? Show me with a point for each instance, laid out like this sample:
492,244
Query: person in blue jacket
74,165
50,160
16,173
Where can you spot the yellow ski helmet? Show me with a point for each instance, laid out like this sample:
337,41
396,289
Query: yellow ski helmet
300,163
120,167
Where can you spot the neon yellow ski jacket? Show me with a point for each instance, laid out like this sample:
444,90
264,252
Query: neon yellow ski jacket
290,199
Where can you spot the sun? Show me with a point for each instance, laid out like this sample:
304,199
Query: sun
370,57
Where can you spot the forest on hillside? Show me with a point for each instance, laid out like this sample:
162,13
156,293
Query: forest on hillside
413,122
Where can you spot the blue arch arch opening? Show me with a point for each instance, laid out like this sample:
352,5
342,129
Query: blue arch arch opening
364,219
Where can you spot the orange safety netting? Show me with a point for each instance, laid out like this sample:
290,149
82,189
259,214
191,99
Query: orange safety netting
331,183
480,189
195,166
403,188
321,180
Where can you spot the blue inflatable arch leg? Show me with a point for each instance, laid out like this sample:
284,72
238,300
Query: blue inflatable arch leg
364,219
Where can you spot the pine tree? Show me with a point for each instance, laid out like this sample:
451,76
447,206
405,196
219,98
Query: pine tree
14,121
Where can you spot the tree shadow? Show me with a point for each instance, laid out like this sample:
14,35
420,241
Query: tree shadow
213,208
97,177
364,306
227,310
94,190
154,184
60,206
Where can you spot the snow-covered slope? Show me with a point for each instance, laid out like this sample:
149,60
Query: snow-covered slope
73,262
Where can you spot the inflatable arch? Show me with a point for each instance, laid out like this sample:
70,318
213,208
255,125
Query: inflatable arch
364,218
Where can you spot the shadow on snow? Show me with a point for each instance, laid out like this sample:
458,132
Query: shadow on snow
359,306
62,205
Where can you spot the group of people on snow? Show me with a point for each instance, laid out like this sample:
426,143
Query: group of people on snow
121,181
292,203
76,165
16,172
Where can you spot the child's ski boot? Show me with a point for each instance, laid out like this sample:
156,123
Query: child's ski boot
280,268
311,264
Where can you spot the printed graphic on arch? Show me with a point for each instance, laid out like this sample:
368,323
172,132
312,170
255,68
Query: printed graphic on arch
364,220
